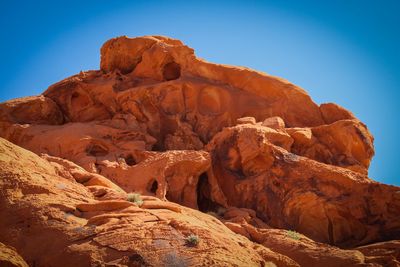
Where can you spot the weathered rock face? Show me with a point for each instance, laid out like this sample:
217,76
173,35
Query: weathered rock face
50,214
329,204
251,149
9,257
36,110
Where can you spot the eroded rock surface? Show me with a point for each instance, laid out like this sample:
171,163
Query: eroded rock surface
252,150
53,218
10,258
329,204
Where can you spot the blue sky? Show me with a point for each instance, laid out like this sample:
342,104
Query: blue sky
345,52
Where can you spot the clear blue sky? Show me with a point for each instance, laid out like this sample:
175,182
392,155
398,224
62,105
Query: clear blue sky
345,52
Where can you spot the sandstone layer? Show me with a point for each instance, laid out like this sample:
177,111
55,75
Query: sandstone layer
245,161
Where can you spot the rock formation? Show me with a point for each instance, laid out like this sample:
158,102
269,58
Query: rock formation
244,163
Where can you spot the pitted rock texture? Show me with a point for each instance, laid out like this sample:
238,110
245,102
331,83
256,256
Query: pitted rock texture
250,149
10,257
52,216
329,204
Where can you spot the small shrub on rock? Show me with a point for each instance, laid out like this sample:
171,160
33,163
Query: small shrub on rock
293,234
135,198
192,240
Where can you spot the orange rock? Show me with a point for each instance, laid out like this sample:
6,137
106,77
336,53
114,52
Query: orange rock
383,253
349,142
307,252
327,203
124,56
171,175
332,112
105,193
251,149
39,204
238,229
34,109
274,123
236,212
246,120
106,205
10,258
344,143
82,176
160,205
302,137
183,139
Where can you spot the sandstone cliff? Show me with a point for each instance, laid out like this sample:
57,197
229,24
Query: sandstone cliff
242,164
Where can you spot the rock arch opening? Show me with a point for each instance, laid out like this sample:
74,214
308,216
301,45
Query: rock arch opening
204,200
171,71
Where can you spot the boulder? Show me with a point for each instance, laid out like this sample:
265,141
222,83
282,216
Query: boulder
274,123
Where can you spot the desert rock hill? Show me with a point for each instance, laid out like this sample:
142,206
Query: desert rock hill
243,162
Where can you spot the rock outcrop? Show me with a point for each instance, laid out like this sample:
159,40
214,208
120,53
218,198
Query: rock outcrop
52,216
9,257
328,204
283,180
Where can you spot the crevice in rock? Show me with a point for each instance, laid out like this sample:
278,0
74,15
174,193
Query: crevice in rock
158,147
204,200
154,187
330,231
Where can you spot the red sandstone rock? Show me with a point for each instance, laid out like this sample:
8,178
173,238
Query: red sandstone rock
327,203
34,109
250,149
274,123
345,143
383,253
49,219
246,120
332,112
10,258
